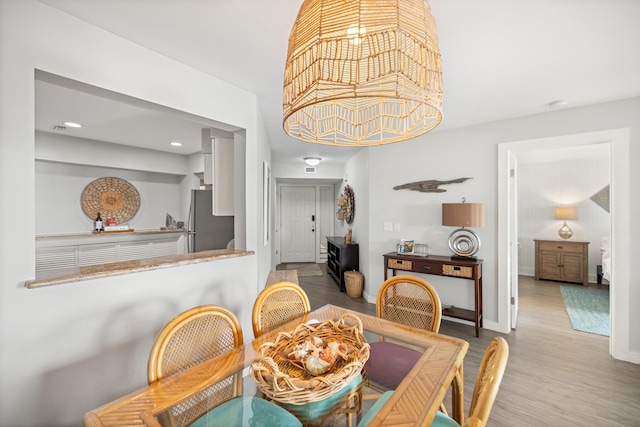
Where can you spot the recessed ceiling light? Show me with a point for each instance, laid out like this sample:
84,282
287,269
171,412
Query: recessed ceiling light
312,161
72,124
176,143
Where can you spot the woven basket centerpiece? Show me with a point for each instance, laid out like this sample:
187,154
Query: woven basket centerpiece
286,380
112,197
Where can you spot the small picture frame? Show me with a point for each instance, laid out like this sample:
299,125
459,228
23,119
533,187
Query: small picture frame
405,246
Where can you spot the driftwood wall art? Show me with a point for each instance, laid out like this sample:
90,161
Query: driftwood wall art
430,186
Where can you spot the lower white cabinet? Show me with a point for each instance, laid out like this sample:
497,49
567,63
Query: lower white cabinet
79,250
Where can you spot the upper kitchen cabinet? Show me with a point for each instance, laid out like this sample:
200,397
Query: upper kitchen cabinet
219,169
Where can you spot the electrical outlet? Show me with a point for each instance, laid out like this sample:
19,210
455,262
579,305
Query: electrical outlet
388,226
396,226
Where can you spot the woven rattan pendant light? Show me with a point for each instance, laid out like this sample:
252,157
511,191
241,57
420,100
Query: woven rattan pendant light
362,72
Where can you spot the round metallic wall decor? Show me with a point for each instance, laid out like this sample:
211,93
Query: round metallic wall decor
112,197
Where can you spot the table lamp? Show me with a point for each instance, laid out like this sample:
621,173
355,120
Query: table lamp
565,213
464,243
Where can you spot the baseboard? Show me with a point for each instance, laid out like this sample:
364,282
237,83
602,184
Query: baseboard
494,326
456,320
369,298
634,357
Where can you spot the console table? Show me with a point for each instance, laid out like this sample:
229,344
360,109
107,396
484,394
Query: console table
470,269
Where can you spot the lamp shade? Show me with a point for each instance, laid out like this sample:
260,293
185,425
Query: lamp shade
362,72
463,214
566,212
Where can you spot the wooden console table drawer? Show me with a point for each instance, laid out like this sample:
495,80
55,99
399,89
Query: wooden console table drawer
400,264
457,270
427,267
561,246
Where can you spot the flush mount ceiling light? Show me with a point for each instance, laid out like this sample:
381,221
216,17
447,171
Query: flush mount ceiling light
362,73
176,143
312,161
72,124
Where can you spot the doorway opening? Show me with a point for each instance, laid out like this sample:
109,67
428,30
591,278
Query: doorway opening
304,218
508,232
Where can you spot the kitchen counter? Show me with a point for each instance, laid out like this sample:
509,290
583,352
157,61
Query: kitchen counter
110,233
77,274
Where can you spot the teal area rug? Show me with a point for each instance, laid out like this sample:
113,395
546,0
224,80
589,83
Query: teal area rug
588,309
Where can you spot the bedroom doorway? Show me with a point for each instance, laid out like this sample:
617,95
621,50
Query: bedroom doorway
508,154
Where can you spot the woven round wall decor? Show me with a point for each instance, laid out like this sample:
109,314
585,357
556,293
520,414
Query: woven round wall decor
350,209
112,197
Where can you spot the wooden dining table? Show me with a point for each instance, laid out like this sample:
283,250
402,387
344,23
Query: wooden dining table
414,402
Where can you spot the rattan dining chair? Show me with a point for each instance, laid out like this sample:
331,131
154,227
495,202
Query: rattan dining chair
486,387
195,336
413,302
276,305
484,395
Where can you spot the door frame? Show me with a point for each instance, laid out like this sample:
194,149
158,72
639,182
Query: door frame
319,211
308,251
620,222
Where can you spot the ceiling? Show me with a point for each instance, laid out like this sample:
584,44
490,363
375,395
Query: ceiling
501,59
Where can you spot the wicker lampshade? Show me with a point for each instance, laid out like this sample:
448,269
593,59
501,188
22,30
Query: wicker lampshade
362,72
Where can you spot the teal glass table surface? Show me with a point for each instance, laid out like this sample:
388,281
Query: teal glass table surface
221,391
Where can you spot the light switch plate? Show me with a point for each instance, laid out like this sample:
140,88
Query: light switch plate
396,226
388,226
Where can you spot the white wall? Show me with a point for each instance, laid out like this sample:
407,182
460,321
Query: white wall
356,171
70,348
472,152
437,156
59,188
544,185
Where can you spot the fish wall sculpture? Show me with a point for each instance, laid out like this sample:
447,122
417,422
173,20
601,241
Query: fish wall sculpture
429,186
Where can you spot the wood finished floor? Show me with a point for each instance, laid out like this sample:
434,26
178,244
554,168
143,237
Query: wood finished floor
556,376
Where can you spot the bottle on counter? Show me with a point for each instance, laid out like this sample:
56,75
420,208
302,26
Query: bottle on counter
99,226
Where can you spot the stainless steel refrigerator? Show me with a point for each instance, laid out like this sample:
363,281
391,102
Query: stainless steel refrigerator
206,231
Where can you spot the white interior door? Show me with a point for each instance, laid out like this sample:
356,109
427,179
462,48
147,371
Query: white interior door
298,236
